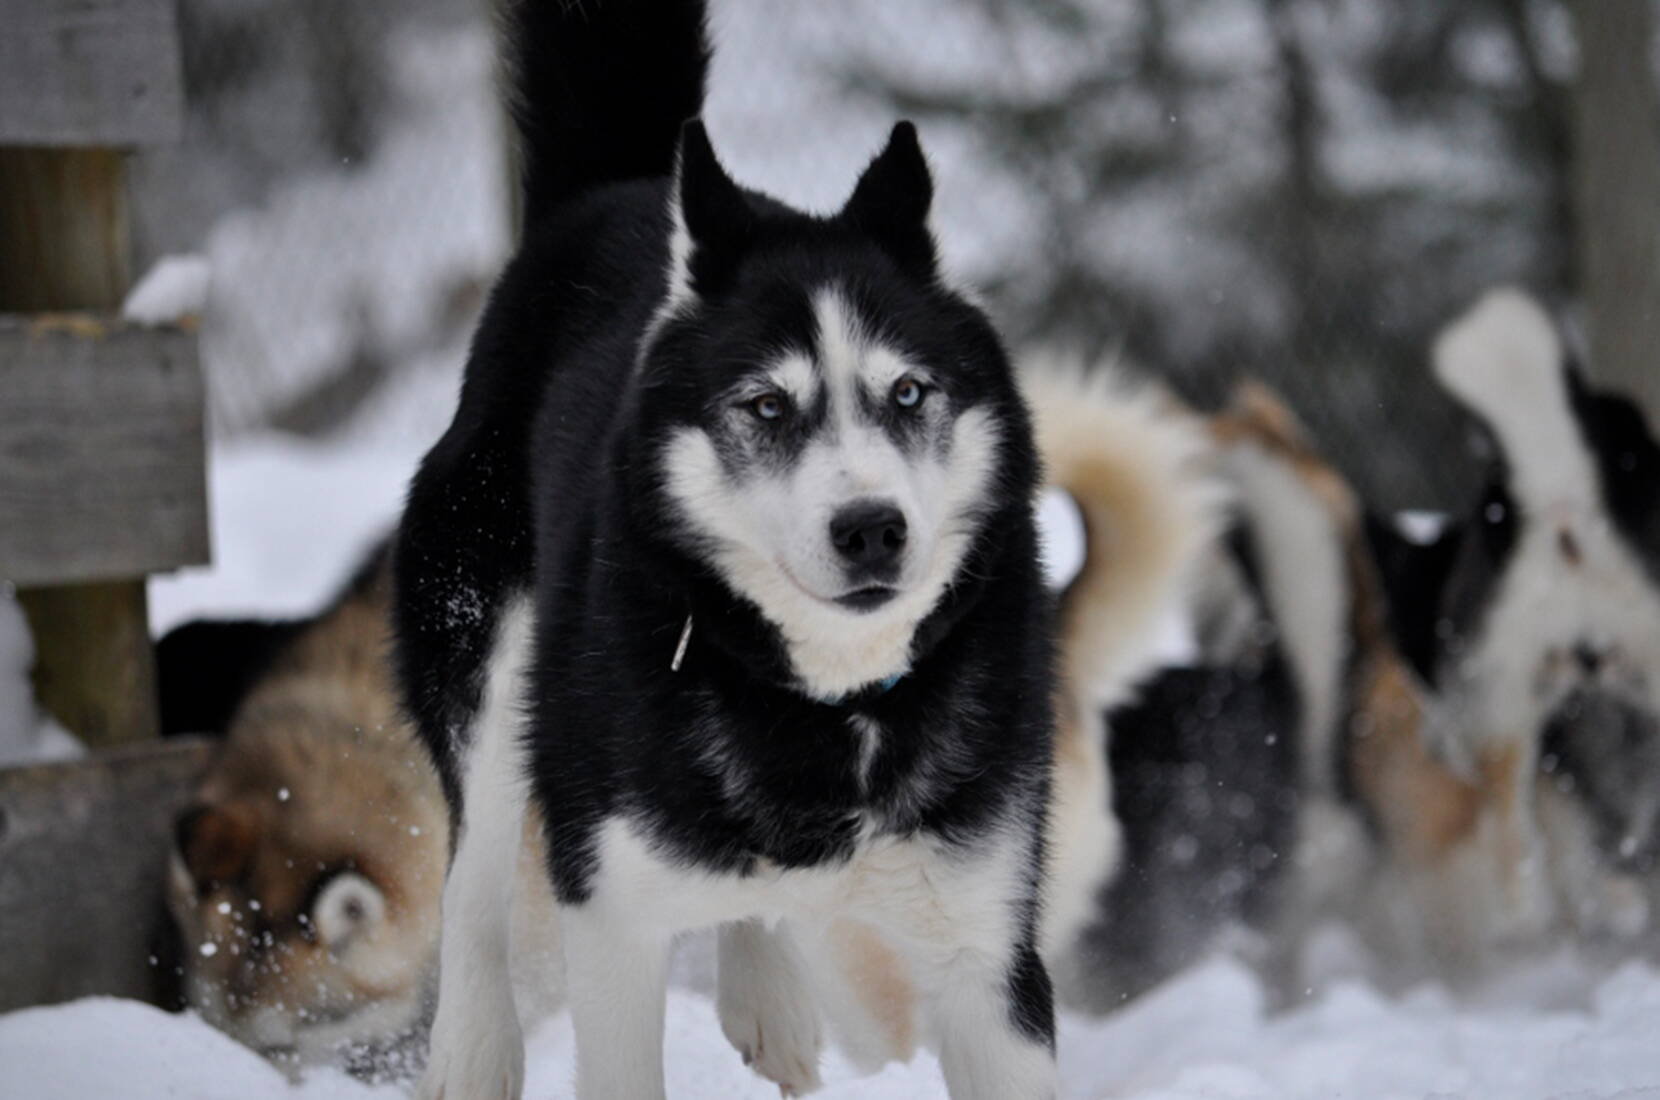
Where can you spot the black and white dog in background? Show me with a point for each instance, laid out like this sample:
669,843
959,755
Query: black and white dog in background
1536,619
726,568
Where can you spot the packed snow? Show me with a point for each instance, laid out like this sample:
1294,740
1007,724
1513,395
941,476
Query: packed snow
174,288
1206,1035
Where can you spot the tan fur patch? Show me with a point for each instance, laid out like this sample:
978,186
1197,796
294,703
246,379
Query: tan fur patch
1424,809
217,843
876,974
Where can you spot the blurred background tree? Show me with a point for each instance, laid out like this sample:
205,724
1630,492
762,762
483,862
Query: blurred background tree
1303,190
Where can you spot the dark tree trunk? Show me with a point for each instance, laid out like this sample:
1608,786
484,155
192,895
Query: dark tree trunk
1617,194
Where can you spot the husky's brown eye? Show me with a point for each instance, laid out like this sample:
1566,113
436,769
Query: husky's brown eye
769,406
907,393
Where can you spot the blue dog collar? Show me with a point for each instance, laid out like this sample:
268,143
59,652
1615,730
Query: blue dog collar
881,687
878,687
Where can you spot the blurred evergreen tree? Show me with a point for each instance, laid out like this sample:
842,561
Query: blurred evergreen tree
1302,190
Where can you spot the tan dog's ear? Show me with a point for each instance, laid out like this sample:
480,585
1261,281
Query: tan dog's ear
214,841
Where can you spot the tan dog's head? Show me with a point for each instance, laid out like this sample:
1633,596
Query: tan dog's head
305,878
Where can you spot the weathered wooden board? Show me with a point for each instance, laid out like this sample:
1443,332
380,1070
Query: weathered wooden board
90,72
83,849
102,468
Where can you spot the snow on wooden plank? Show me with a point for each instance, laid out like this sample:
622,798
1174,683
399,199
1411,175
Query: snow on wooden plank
102,467
83,851
90,72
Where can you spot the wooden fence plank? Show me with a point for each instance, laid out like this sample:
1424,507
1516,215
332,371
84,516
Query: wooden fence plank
102,469
90,72
83,850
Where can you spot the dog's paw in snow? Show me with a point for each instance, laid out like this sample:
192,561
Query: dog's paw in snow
481,1055
766,1009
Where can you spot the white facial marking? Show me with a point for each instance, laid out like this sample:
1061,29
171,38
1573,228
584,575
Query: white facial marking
768,530
794,376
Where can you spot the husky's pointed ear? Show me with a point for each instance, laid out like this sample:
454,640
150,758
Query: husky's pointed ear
712,218
891,202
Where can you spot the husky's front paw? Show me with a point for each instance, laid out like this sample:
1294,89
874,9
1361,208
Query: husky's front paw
766,1011
781,1045
481,1055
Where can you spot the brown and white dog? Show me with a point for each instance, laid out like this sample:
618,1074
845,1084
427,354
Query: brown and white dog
306,875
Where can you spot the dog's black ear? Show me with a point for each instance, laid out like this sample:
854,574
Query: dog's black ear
713,211
891,201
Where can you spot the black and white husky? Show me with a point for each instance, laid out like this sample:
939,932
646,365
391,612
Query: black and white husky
727,565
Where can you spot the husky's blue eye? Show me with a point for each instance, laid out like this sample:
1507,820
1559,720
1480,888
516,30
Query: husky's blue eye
907,393
769,406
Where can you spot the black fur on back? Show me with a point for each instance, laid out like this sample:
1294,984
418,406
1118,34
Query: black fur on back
599,93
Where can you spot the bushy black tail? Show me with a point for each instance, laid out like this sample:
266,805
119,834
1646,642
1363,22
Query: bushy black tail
600,89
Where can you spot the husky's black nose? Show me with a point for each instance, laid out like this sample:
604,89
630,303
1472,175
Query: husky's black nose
869,534
1589,658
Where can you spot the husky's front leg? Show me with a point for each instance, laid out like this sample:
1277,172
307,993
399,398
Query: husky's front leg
766,1006
477,1047
616,972
997,1028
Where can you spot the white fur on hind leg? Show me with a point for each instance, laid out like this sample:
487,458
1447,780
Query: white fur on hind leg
983,1057
766,1006
477,1046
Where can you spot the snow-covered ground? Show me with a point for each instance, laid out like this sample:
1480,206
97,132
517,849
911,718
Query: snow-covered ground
1204,1036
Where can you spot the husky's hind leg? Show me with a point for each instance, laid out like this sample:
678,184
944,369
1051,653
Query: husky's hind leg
477,1046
